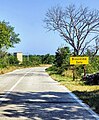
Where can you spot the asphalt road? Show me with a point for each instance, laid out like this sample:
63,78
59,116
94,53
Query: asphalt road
30,94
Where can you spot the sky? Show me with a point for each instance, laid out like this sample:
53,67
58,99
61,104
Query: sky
27,17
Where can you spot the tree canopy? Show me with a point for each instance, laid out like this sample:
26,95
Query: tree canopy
62,56
7,36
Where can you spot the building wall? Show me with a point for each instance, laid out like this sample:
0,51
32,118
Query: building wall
19,56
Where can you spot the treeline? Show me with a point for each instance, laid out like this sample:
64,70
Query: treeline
60,63
7,60
28,60
34,60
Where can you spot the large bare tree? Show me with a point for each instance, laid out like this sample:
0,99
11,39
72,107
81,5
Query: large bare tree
79,27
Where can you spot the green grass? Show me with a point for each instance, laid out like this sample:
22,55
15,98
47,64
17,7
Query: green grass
89,94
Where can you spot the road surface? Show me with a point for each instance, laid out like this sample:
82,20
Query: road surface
30,94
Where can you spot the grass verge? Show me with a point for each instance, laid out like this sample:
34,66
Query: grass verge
9,69
89,94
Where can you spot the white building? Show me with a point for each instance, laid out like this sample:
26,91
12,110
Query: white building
19,56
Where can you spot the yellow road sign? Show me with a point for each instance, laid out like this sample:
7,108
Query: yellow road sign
79,60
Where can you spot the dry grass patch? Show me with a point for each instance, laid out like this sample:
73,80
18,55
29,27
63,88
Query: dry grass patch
8,69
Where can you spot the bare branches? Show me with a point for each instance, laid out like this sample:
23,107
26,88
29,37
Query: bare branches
75,26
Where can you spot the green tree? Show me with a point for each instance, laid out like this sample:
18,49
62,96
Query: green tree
12,60
47,59
62,56
62,59
7,36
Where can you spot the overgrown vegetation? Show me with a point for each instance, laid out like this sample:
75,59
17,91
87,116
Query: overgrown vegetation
62,63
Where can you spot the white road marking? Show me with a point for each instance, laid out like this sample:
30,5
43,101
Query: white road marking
74,96
85,106
12,88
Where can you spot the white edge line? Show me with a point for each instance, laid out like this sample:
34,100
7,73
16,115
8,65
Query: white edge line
86,107
73,95
11,89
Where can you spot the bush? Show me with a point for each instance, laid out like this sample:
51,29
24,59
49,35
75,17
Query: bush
2,64
12,60
52,69
79,69
67,73
60,70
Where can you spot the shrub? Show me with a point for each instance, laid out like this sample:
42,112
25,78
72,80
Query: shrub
68,73
3,63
